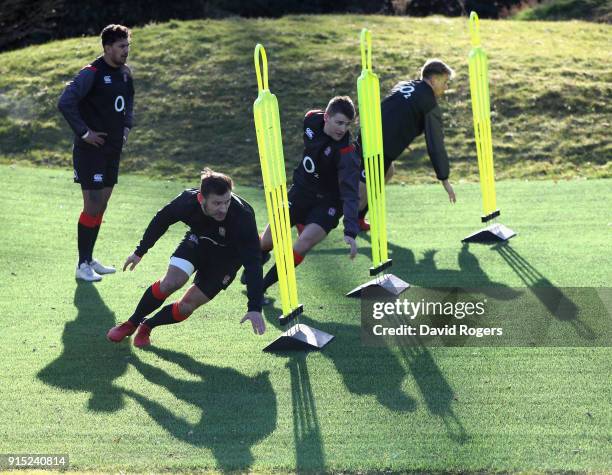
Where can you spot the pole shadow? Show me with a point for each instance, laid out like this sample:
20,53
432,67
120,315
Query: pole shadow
354,362
554,299
237,410
89,363
309,452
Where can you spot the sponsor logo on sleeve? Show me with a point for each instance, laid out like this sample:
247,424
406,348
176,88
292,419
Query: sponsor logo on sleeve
331,211
309,133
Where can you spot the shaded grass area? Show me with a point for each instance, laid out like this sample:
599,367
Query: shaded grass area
563,10
206,397
195,86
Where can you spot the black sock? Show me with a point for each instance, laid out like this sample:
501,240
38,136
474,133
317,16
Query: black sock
270,278
84,242
163,317
94,236
148,303
363,212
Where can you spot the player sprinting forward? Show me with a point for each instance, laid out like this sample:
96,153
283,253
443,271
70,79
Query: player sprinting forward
98,105
411,109
325,183
222,237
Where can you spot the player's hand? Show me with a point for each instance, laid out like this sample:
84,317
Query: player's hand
95,138
351,242
259,326
131,261
449,189
126,134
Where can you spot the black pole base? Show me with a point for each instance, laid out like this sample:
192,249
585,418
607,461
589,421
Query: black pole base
300,337
284,319
391,283
493,233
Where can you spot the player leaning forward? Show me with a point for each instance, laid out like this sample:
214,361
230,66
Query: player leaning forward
222,237
325,183
411,109
98,105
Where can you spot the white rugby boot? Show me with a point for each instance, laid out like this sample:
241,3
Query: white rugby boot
100,268
86,273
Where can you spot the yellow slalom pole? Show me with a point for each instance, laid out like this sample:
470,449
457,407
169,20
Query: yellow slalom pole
368,90
270,146
481,111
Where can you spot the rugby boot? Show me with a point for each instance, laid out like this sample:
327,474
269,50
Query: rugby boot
364,225
100,268
142,337
86,273
121,331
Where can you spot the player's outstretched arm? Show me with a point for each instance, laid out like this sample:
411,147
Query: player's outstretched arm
259,325
351,242
132,261
449,189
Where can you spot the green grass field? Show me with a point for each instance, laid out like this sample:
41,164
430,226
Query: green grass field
207,398
195,86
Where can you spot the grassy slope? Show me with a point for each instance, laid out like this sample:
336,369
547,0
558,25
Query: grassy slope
563,10
208,397
196,84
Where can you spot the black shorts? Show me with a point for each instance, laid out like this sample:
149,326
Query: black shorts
94,168
306,208
362,177
215,266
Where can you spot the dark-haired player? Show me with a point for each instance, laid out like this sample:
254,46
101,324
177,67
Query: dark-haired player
325,183
410,109
222,237
98,105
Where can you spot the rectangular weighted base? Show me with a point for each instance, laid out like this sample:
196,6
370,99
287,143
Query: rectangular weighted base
389,282
494,233
300,337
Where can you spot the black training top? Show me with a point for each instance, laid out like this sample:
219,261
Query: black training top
237,232
99,98
409,110
330,169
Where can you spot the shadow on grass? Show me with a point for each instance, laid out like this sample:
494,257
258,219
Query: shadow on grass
379,371
309,452
237,410
554,299
355,362
88,362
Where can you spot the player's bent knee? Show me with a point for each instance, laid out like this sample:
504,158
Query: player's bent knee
169,285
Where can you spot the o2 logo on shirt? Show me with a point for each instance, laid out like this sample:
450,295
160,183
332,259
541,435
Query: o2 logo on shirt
407,90
119,104
308,164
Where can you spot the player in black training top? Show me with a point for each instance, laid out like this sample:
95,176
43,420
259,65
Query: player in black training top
410,109
98,105
222,237
325,183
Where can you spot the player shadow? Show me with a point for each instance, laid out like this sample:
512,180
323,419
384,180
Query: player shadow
425,272
237,410
89,363
437,393
552,298
354,362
